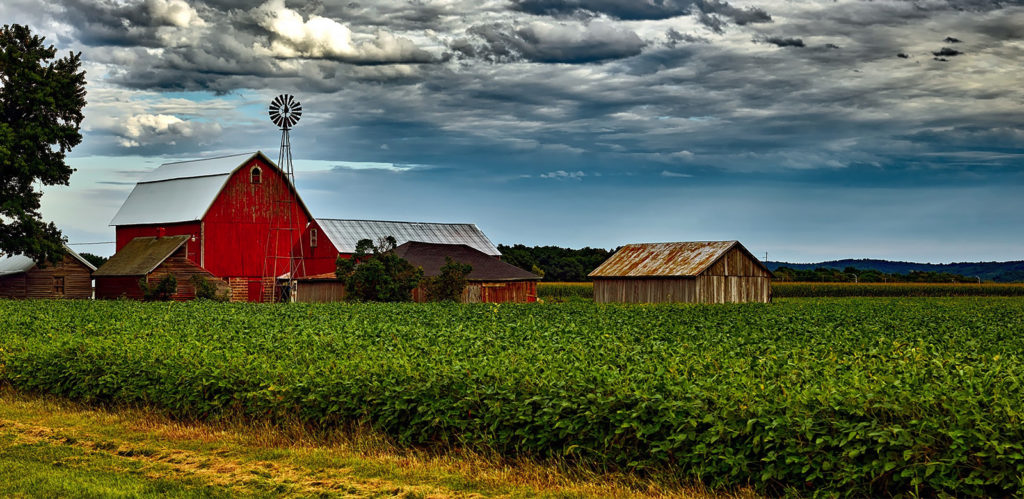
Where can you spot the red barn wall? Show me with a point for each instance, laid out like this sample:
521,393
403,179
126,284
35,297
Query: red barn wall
321,259
126,233
237,227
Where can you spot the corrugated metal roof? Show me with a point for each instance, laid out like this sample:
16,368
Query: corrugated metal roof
223,165
182,191
16,264
179,200
345,234
431,257
140,256
684,259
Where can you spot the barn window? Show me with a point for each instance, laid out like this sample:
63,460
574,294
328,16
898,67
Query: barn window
58,286
312,238
254,174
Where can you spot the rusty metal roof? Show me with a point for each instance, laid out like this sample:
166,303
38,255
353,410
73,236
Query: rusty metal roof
345,234
684,259
140,256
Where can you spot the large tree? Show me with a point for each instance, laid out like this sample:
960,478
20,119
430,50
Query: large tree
41,101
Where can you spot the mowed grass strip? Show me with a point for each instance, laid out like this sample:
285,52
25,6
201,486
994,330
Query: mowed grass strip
51,447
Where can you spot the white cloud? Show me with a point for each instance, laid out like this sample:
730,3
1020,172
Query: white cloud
666,173
325,38
564,175
174,12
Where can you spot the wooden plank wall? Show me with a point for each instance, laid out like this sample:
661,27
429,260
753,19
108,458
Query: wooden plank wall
12,286
491,292
183,269
324,291
734,278
633,290
112,288
41,283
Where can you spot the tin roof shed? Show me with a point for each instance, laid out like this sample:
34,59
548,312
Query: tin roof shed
682,259
140,256
345,234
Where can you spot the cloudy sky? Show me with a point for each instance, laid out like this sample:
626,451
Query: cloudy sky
809,130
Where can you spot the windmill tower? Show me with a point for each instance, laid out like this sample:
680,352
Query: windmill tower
285,112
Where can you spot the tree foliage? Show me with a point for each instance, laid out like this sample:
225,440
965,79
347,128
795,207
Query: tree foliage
41,101
376,273
96,260
554,263
449,283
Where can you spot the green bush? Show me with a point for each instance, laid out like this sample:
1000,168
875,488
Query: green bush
206,290
163,290
853,396
449,283
376,273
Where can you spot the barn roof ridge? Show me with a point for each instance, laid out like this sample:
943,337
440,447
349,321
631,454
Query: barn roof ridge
156,198
16,264
346,233
668,259
141,256
397,221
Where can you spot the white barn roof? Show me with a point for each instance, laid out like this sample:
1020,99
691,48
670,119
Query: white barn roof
181,191
16,264
345,234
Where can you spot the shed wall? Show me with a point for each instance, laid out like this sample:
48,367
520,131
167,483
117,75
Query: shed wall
42,283
321,291
490,292
645,290
178,264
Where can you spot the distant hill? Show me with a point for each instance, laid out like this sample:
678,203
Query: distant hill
988,271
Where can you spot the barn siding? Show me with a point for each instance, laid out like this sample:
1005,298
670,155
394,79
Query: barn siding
649,290
38,283
112,288
126,233
320,291
238,226
12,286
490,292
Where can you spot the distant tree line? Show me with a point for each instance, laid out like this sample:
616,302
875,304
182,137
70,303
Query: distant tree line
853,274
553,263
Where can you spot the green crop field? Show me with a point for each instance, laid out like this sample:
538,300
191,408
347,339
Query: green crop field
853,395
575,291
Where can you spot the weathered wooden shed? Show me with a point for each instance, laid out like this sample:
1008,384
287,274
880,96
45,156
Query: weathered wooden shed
694,272
151,258
490,281
22,277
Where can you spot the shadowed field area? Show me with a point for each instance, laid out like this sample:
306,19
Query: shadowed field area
54,448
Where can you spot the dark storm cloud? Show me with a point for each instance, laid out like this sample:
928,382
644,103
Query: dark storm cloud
712,13
784,42
550,42
108,23
947,52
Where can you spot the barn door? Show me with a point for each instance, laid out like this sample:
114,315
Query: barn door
255,290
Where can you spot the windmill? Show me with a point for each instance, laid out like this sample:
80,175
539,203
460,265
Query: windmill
285,112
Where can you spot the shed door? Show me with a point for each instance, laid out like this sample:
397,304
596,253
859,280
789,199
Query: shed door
255,290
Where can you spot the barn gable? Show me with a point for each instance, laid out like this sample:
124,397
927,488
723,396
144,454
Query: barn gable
185,191
345,234
682,259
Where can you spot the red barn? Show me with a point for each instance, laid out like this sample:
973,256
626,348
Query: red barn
243,217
